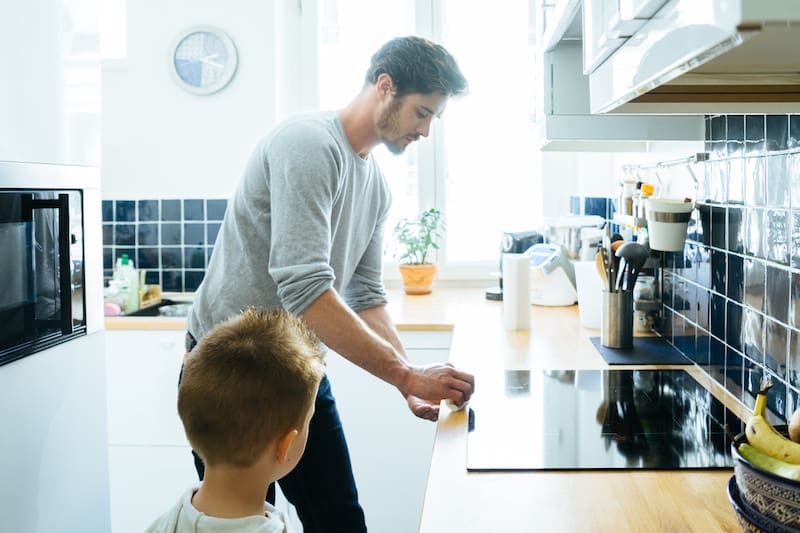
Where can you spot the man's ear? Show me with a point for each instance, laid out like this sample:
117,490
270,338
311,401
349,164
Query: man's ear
385,85
283,445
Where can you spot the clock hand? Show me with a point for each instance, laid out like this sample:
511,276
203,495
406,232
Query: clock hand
208,61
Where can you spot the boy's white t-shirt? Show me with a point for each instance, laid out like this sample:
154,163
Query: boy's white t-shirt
185,518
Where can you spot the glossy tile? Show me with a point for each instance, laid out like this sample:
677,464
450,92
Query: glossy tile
777,132
718,316
735,177
755,180
777,293
793,171
215,209
794,131
753,335
171,257
125,211
703,308
148,257
193,210
793,361
778,180
170,234
171,210
794,238
776,347
755,134
719,226
192,279
777,238
212,230
108,210
754,240
125,235
718,270
148,211
735,135
172,280
754,284
148,234
735,277
794,300
194,234
736,229
194,257
733,325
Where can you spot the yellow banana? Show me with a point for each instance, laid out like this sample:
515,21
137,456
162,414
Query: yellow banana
764,437
769,463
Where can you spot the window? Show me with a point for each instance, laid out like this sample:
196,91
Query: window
478,165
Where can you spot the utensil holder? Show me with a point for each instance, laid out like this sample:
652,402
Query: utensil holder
616,319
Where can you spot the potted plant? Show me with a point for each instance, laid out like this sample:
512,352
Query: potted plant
415,239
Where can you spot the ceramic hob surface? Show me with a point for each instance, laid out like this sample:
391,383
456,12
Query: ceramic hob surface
598,419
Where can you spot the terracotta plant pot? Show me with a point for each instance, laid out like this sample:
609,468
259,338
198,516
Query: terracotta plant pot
418,279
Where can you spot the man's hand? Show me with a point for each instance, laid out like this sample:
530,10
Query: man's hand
438,382
423,408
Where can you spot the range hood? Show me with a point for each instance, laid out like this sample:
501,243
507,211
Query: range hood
737,56
568,125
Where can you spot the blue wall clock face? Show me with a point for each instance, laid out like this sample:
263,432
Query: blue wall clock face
204,60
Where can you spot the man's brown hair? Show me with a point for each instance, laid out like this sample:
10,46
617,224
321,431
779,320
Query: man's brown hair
417,65
248,381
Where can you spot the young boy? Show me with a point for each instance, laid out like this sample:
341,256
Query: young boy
246,398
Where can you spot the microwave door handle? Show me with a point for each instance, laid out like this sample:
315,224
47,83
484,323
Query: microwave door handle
64,279
65,276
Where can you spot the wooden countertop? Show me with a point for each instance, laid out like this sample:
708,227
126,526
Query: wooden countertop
596,501
457,500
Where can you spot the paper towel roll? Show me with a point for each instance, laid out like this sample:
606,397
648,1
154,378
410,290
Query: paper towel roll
516,291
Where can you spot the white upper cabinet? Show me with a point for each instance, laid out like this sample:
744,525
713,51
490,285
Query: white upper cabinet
690,56
565,122
50,94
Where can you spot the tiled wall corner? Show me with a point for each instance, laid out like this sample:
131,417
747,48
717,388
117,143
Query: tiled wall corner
732,297
172,239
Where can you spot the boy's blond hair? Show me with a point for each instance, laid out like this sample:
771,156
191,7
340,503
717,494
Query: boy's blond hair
247,382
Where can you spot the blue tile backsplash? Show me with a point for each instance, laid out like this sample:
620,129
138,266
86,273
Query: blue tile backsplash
171,239
731,299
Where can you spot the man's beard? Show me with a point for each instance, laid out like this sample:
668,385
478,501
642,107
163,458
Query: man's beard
387,125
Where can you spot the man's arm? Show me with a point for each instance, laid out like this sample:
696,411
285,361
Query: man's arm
368,341
378,319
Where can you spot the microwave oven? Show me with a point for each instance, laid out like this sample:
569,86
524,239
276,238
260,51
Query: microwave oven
42,281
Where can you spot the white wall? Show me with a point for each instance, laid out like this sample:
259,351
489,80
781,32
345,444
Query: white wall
160,141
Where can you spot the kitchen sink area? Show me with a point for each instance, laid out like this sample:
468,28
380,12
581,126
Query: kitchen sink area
165,308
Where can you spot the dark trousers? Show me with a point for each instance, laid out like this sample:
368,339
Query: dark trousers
321,486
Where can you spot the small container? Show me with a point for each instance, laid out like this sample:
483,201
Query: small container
667,222
616,319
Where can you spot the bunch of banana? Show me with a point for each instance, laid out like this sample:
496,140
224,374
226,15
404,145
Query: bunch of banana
766,447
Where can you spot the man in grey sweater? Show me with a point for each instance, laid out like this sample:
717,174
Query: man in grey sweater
304,232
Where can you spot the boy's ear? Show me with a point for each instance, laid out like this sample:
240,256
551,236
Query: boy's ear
283,445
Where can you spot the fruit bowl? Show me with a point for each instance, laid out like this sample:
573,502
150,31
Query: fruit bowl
751,520
774,496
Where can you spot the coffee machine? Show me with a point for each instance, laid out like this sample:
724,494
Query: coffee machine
515,242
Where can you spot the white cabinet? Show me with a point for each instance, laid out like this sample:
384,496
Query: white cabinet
50,95
567,123
389,447
142,382
150,461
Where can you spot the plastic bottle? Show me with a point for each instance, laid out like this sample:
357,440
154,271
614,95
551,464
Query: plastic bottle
126,273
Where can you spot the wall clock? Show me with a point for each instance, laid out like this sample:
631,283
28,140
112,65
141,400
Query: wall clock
203,59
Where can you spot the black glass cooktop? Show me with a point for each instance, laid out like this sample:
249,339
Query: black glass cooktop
597,419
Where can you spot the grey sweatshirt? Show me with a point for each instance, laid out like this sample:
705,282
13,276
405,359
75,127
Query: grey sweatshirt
308,215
